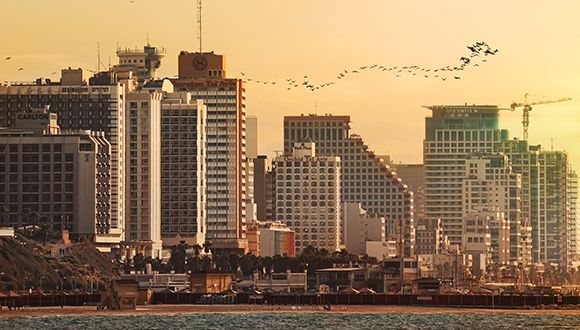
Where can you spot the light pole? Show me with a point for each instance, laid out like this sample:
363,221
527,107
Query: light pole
41,278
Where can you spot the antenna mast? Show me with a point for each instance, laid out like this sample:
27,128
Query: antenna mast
199,23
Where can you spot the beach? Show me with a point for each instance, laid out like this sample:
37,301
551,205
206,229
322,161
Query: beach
185,309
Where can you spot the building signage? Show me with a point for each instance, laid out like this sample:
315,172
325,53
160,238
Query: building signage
33,116
98,89
460,111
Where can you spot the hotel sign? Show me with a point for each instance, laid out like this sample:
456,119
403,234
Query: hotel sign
461,111
98,89
33,116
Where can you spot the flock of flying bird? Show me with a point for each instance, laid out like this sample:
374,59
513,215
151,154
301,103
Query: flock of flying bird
478,52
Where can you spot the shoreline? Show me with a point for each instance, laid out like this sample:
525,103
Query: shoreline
39,312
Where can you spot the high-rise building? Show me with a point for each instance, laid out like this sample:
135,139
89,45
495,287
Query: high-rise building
307,196
97,105
413,176
143,170
183,169
260,172
453,133
553,215
54,178
573,225
203,75
366,179
489,184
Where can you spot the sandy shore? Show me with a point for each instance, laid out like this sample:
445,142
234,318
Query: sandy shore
181,309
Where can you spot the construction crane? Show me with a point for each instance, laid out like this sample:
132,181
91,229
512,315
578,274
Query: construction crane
527,107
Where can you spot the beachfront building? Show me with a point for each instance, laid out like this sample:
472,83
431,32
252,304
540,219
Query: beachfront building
365,178
307,196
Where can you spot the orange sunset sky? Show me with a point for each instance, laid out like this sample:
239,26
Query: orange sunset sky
538,42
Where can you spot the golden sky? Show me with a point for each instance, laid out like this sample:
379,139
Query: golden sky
277,39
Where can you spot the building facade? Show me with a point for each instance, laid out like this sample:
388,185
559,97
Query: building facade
143,169
97,105
58,179
183,170
203,75
307,196
276,239
366,178
358,228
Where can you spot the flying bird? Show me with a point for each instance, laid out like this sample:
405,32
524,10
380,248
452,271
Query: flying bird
8,58
20,69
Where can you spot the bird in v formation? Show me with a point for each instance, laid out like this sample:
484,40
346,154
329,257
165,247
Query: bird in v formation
477,50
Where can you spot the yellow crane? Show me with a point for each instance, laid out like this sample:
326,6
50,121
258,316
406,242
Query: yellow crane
527,107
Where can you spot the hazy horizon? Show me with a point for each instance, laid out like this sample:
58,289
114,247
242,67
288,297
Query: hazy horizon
275,40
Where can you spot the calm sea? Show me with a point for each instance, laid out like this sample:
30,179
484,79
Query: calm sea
272,321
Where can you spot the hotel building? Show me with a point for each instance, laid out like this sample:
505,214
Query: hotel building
366,178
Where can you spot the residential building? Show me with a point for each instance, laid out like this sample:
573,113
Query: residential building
413,176
97,105
573,225
307,196
56,178
143,169
490,186
204,76
183,170
477,239
358,228
553,199
276,239
260,172
430,238
366,178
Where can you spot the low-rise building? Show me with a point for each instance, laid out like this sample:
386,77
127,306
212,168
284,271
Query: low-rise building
212,281
359,228
283,282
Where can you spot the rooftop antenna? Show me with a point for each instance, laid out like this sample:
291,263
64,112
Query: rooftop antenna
98,56
148,39
199,25
315,107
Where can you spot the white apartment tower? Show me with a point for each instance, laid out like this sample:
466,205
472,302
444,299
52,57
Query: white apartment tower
307,196
183,162
143,170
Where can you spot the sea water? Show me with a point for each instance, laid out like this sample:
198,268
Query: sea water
296,320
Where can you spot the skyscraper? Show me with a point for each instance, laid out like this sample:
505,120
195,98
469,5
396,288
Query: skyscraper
143,170
183,173
366,179
204,76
